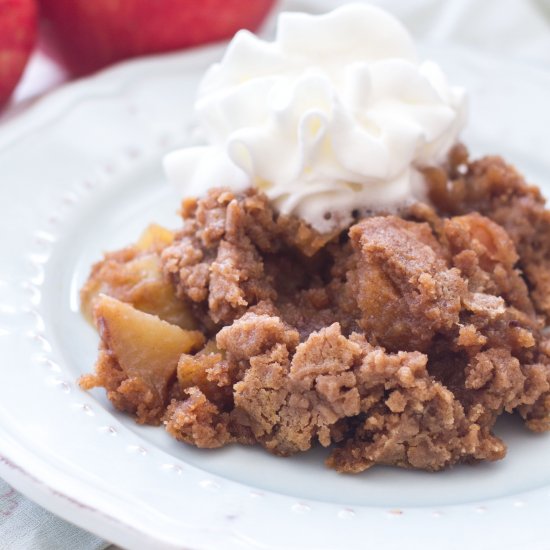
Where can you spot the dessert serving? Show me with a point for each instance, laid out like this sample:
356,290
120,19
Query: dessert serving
344,275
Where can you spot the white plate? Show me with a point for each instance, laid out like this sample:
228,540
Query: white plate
79,174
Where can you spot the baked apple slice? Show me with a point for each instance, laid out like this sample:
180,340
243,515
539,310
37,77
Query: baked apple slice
144,345
155,238
192,369
208,371
134,275
139,357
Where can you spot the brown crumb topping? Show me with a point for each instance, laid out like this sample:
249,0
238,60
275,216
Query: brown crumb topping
398,341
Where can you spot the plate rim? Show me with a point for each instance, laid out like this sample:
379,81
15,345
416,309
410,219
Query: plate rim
42,112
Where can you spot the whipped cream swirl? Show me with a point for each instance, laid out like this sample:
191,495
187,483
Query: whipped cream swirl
335,114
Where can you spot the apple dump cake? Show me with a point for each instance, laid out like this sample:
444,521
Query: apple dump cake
346,276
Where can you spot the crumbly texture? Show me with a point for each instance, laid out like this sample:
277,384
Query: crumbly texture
398,341
496,190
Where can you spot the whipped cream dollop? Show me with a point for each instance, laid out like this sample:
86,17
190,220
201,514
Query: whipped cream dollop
335,114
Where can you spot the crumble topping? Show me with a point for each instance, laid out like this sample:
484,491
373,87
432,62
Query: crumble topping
397,341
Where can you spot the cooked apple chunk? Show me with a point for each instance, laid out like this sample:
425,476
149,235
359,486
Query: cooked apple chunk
139,357
155,238
144,345
134,275
209,371
193,370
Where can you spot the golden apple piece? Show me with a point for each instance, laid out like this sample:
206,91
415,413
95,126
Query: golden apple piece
152,293
211,347
136,278
155,238
193,371
143,345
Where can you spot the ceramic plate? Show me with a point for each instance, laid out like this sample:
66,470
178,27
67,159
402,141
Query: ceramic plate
80,174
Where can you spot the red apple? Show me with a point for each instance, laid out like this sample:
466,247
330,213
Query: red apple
17,37
94,33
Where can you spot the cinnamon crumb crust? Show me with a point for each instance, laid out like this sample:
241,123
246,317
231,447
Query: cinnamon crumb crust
398,341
